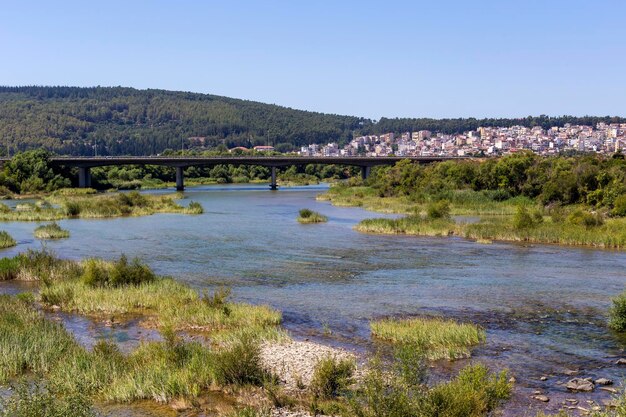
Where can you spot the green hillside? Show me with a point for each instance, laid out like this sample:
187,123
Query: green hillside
127,121
70,120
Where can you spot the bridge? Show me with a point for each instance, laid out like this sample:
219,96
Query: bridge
181,162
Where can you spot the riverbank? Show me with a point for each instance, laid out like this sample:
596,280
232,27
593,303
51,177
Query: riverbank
207,343
513,220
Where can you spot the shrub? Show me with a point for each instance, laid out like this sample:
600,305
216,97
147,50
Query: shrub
310,216
438,210
619,206
97,273
409,364
522,219
194,208
6,240
617,313
473,393
240,363
134,273
9,268
306,213
331,377
584,218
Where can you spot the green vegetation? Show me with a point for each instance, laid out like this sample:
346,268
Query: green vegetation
617,313
51,231
178,368
36,401
126,121
127,289
194,208
332,377
6,240
310,216
436,338
100,206
474,392
521,197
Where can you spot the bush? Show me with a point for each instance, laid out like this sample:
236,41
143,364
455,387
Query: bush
584,218
619,206
617,313
194,208
97,273
473,393
305,213
438,210
9,268
522,219
310,216
240,363
331,377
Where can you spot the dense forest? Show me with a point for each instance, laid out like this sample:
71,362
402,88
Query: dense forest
127,121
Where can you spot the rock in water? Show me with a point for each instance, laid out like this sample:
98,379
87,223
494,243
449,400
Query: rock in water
542,398
579,384
604,381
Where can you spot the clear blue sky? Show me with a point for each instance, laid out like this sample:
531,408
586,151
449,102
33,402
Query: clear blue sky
442,58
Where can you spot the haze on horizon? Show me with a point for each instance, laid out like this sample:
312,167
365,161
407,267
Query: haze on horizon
372,59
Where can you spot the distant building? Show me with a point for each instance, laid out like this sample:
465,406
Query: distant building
264,148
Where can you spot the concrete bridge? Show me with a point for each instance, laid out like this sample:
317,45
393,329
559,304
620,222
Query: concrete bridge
181,162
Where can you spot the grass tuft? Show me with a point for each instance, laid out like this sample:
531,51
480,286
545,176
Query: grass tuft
310,216
436,338
51,231
6,240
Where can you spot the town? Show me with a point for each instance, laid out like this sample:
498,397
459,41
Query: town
603,138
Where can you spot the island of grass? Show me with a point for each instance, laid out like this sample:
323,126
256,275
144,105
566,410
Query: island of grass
310,216
67,205
51,231
6,240
437,338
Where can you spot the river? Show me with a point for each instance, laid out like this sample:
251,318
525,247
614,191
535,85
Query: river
544,307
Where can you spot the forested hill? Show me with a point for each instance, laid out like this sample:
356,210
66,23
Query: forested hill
127,121
69,120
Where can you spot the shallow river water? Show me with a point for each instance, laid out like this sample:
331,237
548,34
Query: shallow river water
544,307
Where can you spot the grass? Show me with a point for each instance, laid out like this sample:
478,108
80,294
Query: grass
610,233
331,377
30,400
437,338
51,231
310,216
475,392
129,288
6,240
617,313
98,206
410,225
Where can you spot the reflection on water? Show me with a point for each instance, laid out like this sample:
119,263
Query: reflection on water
543,306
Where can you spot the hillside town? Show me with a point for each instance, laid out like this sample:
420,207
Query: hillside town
603,138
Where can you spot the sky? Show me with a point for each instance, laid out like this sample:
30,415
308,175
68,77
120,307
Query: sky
444,58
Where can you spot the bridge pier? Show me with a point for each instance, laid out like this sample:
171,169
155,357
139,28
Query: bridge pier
273,185
180,179
84,177
365,172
